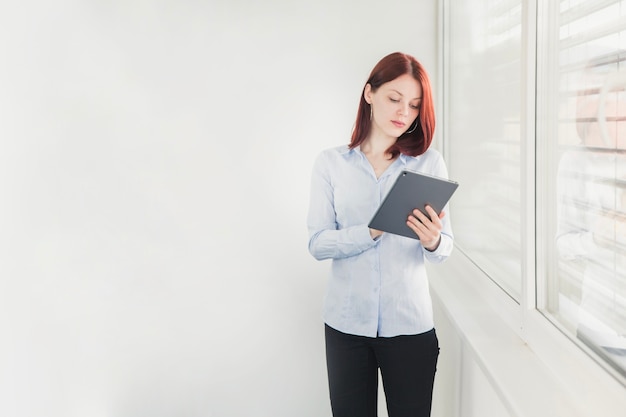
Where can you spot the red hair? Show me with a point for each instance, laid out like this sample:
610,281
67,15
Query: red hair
389,68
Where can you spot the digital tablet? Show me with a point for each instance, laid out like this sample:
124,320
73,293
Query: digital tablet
411,191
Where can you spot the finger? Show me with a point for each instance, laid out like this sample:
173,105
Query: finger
415,225
418,220
420,216
425,220
428,238
433,214
418,228
427,229
424,229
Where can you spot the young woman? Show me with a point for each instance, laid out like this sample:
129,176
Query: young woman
377,310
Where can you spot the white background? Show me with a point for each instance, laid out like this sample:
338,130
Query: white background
154,168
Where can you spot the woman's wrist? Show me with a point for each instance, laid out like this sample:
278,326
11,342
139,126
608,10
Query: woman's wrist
375,234
433,247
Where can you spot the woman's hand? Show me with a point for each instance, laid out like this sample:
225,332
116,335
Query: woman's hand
428,230
375,234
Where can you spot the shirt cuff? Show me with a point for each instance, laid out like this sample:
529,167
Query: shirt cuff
443,250
365,238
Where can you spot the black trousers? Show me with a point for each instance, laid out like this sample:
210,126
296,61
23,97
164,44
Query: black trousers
407,366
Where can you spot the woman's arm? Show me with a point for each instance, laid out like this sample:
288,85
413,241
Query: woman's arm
325,239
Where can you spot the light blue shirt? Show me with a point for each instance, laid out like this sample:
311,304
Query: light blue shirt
376,287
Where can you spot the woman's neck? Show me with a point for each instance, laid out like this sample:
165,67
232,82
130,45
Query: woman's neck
377,146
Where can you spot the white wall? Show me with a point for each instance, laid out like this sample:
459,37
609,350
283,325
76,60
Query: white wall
154,168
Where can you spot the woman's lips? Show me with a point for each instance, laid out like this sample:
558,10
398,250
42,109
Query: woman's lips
397,123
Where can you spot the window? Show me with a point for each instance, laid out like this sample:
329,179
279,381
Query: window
579,157
581,141
483,130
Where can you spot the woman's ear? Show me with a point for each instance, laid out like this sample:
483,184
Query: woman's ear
367,93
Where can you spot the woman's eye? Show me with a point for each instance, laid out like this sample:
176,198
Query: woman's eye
415,107
395,100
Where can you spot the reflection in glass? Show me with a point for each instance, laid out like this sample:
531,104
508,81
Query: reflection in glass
591,199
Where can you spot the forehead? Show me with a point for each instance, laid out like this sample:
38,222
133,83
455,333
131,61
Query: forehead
406,85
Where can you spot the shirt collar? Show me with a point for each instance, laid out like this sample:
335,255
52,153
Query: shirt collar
346,152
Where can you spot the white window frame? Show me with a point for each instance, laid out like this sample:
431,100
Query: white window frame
593,386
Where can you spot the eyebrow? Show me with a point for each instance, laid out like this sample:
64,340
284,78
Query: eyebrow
416,98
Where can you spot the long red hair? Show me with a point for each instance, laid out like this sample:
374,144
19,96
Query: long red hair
389,68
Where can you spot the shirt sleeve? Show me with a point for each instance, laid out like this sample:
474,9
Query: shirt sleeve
325,240
573,239
446,244
443,250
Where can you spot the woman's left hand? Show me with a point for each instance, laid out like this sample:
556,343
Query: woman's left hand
428,230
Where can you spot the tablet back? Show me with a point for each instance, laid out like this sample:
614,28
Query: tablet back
410,191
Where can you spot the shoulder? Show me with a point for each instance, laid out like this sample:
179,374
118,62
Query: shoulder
336,151
572,158
430,162
328,161
333,154
574,164
432,154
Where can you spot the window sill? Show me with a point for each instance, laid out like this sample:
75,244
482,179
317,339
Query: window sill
535,369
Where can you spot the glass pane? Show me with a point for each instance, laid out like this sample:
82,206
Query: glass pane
483,123
587,282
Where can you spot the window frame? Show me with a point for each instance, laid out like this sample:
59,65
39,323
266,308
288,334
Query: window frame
547,78
579,369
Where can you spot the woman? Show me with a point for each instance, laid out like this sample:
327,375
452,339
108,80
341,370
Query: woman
378,312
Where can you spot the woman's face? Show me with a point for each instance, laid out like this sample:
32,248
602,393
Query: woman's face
395,105
615,134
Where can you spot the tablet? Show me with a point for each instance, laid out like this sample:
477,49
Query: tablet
411,191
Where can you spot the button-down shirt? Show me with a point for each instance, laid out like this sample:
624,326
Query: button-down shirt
376,287
588,239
